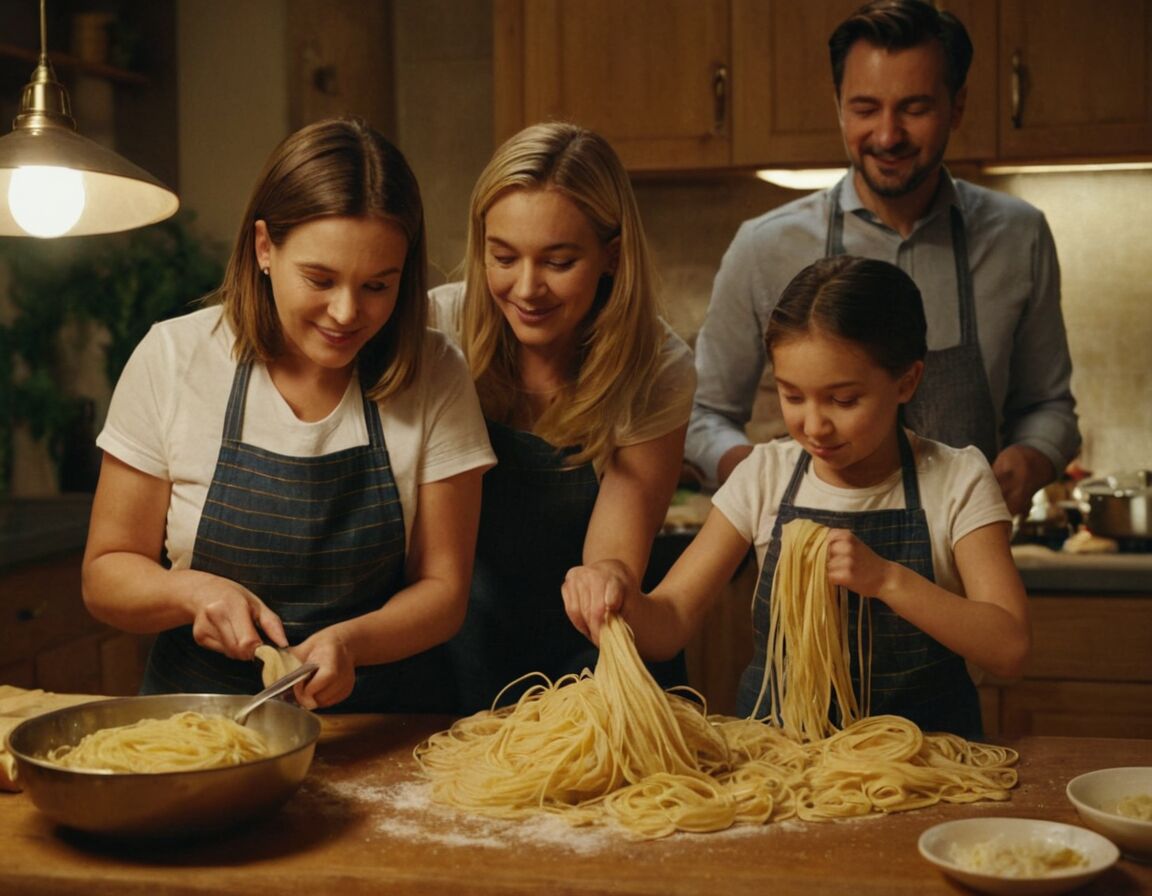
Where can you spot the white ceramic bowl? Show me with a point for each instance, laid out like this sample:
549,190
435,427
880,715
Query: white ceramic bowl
946,846
1095,796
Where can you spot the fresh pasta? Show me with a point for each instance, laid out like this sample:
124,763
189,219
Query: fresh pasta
807,652
186,741
610,745
1138,806
1032,859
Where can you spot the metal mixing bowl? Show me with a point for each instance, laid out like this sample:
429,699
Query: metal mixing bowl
171,804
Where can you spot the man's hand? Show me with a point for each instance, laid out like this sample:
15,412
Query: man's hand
1021,472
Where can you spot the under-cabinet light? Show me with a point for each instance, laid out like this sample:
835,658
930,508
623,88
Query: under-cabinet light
801,178
1066,168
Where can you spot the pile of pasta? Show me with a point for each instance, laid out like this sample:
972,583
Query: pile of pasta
611,746
183,742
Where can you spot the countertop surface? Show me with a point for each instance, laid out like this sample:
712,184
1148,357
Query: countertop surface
1044,569
362,823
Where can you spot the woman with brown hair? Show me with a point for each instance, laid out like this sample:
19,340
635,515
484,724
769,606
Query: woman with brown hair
300,461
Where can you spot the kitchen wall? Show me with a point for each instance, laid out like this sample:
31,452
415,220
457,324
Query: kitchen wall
233,109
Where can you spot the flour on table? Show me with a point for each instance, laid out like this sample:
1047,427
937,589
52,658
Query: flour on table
405,811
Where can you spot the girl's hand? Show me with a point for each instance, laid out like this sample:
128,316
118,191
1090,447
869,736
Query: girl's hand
228,618
336,676
854,565
592,592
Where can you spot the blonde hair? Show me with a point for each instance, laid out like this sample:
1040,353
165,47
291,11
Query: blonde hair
335,167
622,338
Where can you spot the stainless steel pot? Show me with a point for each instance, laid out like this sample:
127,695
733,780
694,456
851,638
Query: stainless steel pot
166,805
1118,506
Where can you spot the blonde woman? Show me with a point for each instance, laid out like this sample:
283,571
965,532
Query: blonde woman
587,394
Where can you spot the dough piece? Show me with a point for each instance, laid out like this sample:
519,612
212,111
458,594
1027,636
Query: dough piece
277,661
18,704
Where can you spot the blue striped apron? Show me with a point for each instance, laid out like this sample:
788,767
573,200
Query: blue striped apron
319,540
533,521
913,675
953,403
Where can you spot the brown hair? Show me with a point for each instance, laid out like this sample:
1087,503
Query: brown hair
871,303
335,167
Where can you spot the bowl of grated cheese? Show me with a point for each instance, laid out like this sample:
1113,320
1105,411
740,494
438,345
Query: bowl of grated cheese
1117,802
1017,856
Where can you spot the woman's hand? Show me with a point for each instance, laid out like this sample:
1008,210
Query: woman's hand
854,565
336,673
593,591
227,617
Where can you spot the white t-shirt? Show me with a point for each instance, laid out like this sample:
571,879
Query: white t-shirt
958,493
166,419
668,404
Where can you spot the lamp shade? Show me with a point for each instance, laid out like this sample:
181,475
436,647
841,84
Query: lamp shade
119,195
112,194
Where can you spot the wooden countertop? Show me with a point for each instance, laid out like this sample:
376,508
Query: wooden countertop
362,823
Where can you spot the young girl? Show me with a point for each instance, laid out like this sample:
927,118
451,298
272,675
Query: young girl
299,462
587,394
920,529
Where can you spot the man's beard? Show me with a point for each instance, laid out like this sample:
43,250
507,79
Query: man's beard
916,177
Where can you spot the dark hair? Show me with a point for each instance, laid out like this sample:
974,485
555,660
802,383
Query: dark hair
336,167
900,25
868,302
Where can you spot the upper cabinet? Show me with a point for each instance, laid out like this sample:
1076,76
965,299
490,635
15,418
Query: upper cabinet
652,76
785,104
1075,78
700,84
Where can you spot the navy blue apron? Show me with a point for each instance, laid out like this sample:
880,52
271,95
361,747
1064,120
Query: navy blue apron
953,403
319,540
533,520
913,675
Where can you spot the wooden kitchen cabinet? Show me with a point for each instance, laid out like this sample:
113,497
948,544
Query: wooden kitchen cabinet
652,76
49,640
1090,671
784,107
706,84
1075,79
697,84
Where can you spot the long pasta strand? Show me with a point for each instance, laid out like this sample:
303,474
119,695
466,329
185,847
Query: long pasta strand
186,741
610,745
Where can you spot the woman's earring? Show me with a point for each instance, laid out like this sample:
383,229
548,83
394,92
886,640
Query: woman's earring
264,271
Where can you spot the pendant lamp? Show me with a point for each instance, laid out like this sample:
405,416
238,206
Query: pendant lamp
54,182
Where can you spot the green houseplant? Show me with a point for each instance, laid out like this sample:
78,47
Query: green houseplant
111,288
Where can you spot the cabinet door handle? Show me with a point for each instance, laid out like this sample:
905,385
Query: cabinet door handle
1017,90
719,98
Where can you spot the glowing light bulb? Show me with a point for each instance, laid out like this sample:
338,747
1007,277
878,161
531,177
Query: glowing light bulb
45,200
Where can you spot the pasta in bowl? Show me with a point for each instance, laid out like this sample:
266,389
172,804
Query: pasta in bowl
166,766
1017,856
1117,802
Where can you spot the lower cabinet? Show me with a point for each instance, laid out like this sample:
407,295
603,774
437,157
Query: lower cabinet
49,640
1090,674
